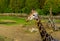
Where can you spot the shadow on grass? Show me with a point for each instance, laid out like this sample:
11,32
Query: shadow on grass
7,22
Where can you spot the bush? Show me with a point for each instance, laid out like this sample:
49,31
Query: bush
40,11
25,10
7,10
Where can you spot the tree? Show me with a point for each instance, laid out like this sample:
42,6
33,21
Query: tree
55,6
16,5
32,4
41,3
3,5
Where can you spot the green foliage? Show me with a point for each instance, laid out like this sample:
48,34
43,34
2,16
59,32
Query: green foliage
7,10
25,6
25,10
16,5
40,11
32,4
54,4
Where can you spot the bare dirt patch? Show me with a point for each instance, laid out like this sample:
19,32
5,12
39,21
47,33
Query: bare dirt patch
17,33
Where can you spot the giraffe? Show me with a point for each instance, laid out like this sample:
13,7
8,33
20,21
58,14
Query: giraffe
43,33
51,20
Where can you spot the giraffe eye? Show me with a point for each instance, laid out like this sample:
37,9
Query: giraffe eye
33,15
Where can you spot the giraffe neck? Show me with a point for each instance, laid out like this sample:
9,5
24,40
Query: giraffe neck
44,35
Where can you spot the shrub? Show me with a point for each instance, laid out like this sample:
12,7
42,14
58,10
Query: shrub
40,11
25,10
7,10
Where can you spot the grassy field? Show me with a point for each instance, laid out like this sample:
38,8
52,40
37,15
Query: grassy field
9,20
13,19
10,28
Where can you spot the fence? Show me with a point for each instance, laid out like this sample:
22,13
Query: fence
25,15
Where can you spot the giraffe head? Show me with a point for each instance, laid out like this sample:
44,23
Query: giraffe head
33,15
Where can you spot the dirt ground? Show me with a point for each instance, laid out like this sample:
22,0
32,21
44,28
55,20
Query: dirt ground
18,33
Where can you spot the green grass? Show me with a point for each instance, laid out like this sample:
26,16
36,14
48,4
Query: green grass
58,21
18,20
